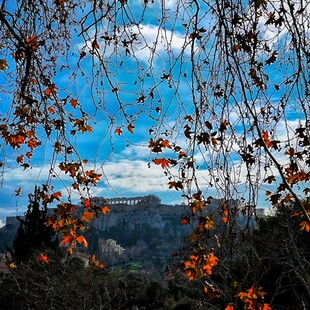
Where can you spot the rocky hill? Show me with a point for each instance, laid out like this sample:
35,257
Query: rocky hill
146,230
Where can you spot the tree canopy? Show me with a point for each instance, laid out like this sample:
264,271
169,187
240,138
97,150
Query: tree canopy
33,235
217,90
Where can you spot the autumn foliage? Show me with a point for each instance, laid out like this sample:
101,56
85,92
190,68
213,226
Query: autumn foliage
217,92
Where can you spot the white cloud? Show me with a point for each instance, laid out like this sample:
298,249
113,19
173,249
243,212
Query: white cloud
168,4
274,34
150,41
159,40
135,176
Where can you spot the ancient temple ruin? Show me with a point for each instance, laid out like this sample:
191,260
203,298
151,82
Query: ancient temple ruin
150,200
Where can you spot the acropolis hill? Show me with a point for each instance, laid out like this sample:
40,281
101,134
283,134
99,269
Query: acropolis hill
146,205
136,212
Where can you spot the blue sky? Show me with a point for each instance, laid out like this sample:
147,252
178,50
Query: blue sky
123,160
126,173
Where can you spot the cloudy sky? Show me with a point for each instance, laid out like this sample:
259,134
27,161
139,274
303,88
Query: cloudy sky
124,161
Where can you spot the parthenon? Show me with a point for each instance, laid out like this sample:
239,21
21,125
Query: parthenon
150,200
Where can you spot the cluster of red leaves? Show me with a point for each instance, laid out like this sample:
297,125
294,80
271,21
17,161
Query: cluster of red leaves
81,177
294,173
158,145
44,109
197,205
253,299
304,224
200,266
81,126
29,112
33,43
119,131
67,222
51,90
15,140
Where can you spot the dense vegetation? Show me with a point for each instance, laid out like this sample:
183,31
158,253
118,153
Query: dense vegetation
262,258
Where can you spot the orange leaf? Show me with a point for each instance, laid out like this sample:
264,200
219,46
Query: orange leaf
88,128
51,110
165,144
94,177
60,3
32,38
290,151
225,219
235,49
118,131
28,154
74,103
214,141
265,137
224,125
95,44
163,162
184,220
16,140
56,195
30,134
18,191
197,205
130,128
42,258
87,203
305,226
32,143
181,154
51,90
66,239
296,214
88,216
96,263
3,64
105,209
209,224
229,307
75,185
81,239
20,158
211,261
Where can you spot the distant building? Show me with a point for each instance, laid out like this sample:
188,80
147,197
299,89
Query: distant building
109,247
150,200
